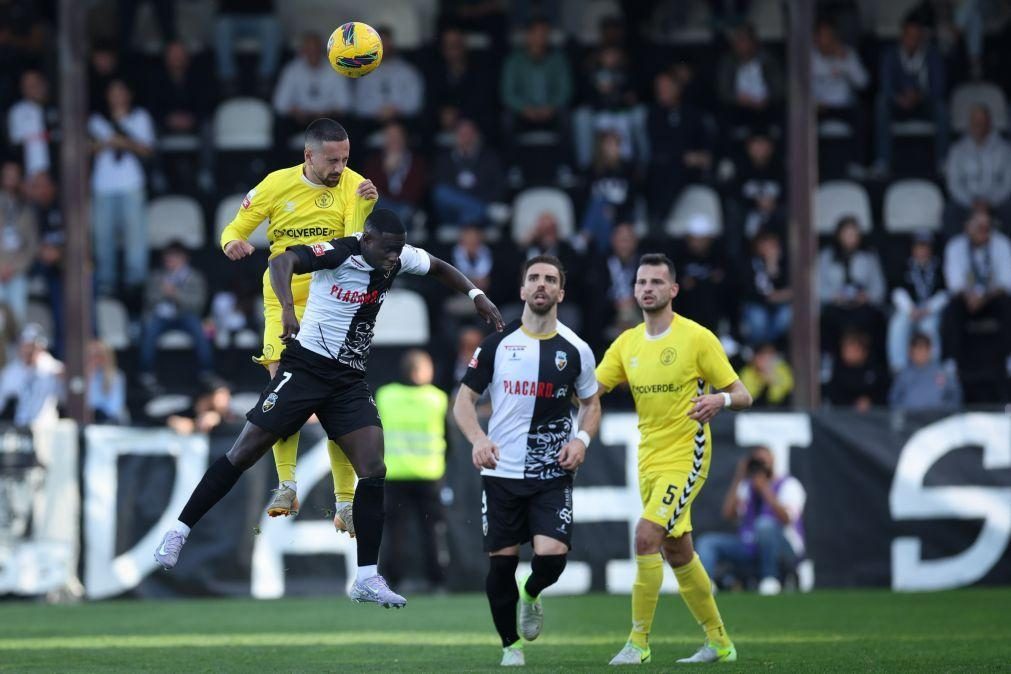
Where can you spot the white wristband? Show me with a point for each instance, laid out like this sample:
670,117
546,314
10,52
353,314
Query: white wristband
584,436
727,400
474,293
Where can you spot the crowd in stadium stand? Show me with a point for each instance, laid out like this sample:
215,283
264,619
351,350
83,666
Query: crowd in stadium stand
499,130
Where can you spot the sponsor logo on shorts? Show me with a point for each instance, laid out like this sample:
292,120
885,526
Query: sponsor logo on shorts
668,355
320,249
484,512
268,403
324,200
561,360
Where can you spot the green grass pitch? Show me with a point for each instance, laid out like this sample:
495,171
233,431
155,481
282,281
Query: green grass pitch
859,631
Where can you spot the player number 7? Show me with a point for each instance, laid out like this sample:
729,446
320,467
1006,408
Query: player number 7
285,377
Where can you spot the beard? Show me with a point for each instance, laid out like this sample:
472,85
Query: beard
543,310
659,306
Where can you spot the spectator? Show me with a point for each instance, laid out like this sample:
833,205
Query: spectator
611,186
545,239
104,67
399,174
472,256
106,385
19,241
837,75
912,86
767,311
31,122
181,95
394,91
702,275
856,382
174,299
924,384
536,82
479,16
27,39
977,271
917,301
959,25
979,173
749,81
467,341
31,385
414,425
680,148
460,87
41,192
769,511
468,178
768,377
611,106
614,279
122,141
851,285
759,191
240,19
308,88
212,409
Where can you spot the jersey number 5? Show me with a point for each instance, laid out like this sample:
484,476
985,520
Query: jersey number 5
285,378
669,498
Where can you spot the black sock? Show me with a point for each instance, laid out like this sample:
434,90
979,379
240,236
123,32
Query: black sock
216,482
544,571
367,510
503,596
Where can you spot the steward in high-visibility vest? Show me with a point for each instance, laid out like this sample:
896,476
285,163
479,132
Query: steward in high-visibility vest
414,430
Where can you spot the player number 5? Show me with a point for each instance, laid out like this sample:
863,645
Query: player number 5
667,500
285,377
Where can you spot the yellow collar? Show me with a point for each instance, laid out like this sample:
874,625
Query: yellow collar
534,335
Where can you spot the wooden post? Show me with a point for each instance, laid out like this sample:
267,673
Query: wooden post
802,180
74,159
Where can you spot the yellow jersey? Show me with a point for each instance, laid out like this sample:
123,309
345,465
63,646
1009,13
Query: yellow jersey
664,373
299,211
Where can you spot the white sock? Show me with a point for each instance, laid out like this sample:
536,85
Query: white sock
366,572
181,528
289,484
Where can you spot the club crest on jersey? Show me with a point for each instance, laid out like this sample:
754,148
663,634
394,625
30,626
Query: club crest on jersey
248,199
561,360
668,356
324,200
320,249
268,403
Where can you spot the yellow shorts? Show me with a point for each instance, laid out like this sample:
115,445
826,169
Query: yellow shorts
272,344
662,501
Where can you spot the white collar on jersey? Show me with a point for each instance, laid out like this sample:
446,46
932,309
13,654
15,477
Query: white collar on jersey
653,338
314,185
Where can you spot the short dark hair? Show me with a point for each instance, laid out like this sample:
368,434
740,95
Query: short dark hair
324,130
658,259
545,259
385,221
920,339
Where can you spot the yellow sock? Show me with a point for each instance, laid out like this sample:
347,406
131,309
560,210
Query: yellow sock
697,591
343,473
645,594
285,454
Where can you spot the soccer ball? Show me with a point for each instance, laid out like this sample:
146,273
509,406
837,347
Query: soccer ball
355,49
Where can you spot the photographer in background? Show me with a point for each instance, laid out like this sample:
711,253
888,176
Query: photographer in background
768,510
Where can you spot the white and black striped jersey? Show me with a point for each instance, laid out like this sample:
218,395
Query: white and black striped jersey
345,295
531,380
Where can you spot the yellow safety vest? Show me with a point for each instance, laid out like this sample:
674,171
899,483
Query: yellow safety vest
414,426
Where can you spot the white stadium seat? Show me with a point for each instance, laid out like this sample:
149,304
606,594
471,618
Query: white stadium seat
694,200
530,203
581,18
768,17
403,17
175,218
888,15
113,323
243,124
403,320
969,94
225,213
837,198
911,205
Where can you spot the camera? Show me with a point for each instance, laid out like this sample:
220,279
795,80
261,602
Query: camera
756,466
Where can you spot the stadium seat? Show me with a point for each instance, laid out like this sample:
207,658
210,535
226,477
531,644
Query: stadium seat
41,314
888,16
530,203
403,320
225,213
769,19
167,405
402,16
581,19
686,22
321,17
837,198
175,218
694,200
113,323
243,124
968,94
911,205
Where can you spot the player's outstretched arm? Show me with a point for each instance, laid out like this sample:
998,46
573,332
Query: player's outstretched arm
484,452
282,268
453,278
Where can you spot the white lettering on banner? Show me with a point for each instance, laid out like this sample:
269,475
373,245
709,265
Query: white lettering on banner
780,432
280,536
910,500
107,574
